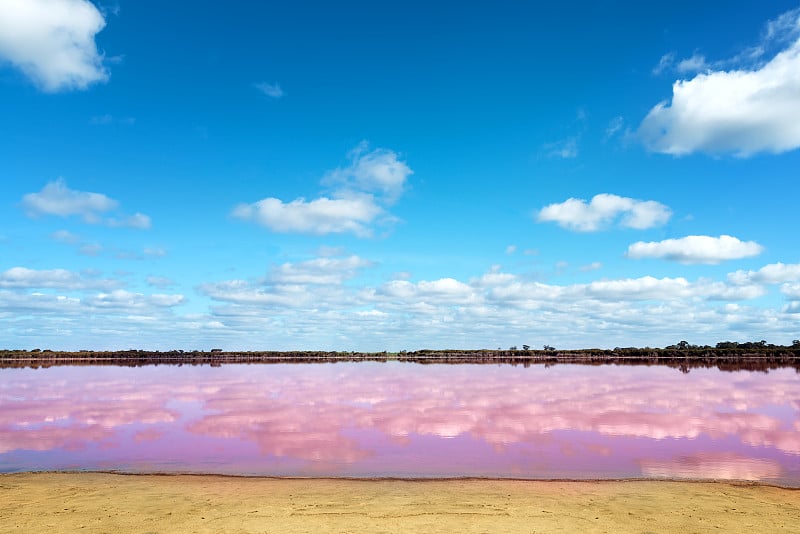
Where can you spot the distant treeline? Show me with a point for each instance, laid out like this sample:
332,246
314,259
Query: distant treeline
727,356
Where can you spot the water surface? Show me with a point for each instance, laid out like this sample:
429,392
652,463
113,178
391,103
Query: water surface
405,420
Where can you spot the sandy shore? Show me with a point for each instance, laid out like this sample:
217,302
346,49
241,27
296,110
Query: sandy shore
98,502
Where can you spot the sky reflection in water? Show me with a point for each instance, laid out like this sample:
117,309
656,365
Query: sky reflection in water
373,419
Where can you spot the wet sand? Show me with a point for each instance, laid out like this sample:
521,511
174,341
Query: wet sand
100,502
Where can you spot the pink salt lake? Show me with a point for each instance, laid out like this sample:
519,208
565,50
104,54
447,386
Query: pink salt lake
405,420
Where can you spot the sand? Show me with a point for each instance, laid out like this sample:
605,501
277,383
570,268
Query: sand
101,502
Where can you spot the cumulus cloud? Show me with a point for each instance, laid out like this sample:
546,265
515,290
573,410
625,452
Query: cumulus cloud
774,273
696,249
324,302
83,247
272,90
651,288
576,214
243,292
25,278
323,270
741,110
451,312
695,63
442,291
312,283
56,198
374,179
792,291
319,216
536,294
378,171
52,42
120,298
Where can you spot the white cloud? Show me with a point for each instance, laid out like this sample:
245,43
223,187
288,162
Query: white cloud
83,247
315,283
695,63
24,278
57,199
792,291
378,171
774,273
372,180
576,214
696,249
651,288
792,307
243,292
534,295
122,299
324,270
321,303
272,90
427,293
319,216
741,111
52,42
511,249
783,28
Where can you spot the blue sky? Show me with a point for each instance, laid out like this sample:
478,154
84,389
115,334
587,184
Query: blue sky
378,176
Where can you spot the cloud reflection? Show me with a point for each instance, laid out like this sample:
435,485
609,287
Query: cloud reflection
720,466
354,414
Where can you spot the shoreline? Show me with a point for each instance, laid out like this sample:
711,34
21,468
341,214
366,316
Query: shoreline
102,502
726,359
422,479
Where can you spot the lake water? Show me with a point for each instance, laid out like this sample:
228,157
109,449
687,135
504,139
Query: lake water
405,420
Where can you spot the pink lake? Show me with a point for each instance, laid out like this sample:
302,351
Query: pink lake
405,420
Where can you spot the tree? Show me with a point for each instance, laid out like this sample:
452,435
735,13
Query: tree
526,347
796,343
549,348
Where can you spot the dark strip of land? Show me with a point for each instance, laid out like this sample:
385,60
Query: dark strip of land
750,357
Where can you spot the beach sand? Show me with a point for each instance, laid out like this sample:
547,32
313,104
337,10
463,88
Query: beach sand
100,502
